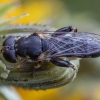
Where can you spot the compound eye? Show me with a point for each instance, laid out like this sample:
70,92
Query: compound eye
9,53
9,41
10,56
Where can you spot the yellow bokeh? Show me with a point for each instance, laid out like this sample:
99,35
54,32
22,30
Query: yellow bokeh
38,94
5,1
38,11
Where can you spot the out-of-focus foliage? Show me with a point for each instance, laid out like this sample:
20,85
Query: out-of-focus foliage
6,8
84,6
85,16
40,11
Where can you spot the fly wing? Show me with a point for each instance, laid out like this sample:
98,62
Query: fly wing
74,44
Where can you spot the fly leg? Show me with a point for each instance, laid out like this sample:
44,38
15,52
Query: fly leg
21,64
37,65
39,33
62,31
67,29
61,63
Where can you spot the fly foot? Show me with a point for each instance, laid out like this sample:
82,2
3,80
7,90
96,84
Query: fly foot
72,66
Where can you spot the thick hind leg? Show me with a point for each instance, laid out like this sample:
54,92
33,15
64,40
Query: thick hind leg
61,63
62,31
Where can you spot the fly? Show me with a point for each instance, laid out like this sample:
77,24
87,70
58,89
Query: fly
51,46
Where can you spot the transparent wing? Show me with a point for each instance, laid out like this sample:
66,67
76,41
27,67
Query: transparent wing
74,44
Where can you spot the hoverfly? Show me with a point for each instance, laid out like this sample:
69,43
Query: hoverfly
38,47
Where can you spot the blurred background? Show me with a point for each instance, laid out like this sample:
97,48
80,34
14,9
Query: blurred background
83,14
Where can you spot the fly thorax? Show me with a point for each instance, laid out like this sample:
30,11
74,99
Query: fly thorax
31,46
45,45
